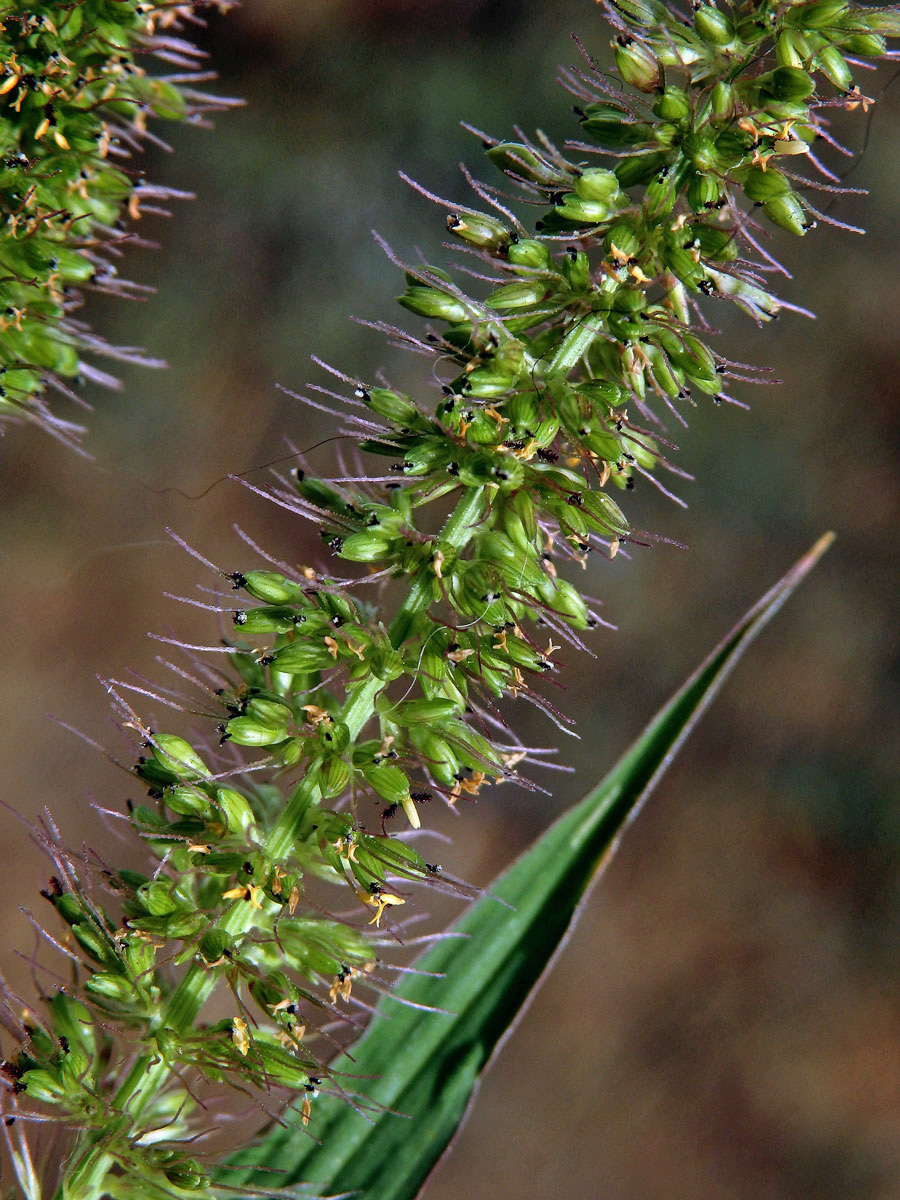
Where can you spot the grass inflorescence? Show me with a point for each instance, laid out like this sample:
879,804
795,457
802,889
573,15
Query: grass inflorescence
334,718
75,102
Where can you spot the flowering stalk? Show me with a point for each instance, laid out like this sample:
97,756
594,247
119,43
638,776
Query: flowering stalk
557,378
74,106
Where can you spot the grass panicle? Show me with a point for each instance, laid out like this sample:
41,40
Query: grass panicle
574,332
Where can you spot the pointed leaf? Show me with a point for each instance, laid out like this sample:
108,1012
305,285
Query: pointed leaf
426,1065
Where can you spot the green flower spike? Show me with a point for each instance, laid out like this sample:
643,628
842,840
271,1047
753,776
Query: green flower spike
75,101
338,712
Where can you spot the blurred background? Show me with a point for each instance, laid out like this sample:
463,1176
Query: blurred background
725,1021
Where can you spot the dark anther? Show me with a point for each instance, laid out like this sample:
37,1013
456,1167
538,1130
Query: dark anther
237,579
239,618
575,499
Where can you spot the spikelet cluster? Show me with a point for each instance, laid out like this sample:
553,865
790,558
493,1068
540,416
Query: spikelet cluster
75,101
349,695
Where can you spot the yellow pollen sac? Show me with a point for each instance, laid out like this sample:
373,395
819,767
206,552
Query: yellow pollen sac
236,893
240,1035
613,547
473,786
42,129
293,899
314,714
332,645
341,985
8,84
412,815
761,160
346,848
379,901
305,1110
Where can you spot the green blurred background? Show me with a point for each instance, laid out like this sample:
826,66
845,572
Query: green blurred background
725,1021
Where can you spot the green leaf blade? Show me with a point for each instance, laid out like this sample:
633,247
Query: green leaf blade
426,1065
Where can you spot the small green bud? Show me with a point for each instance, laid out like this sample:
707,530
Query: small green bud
187,801
880,20
704,192
788,213
303,658
722,100
565,600
418,712
270,587
787,83
791,49
91,941
623,239
334,778
156,897
139,956
713,26
643,12
636,63
639,169
111,987
365,547
214,943
582,212
597,184
611,129
390,782
866,45
526,163
525,294
479,230
42,1085
834,66
429,302
819,15
673,105
529,253
250,731
178,756
236,811
390,405
576,267
761,186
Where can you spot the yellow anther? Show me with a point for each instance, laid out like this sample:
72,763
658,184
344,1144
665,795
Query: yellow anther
240,1035
379,901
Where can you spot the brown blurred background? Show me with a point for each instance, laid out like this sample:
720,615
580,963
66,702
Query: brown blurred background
725,1021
